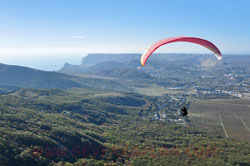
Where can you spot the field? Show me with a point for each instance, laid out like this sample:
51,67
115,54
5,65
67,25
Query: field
159,91
228,118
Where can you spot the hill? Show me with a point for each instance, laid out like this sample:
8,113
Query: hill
30,78
93,59
87,127
110,65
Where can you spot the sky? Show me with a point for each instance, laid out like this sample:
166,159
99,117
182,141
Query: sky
45,34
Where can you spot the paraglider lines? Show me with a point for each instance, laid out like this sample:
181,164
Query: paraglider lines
222,124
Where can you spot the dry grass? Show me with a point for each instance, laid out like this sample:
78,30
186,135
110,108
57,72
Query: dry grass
234,113
159,91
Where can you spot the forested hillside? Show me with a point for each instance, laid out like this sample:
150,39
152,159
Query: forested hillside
86,127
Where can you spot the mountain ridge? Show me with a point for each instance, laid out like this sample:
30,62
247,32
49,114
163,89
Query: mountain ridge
26,77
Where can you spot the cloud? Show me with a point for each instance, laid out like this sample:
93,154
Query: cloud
77,37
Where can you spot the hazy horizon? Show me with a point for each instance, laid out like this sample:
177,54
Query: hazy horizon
54,63
32,34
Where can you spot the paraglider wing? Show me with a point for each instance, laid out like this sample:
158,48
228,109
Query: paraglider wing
195,40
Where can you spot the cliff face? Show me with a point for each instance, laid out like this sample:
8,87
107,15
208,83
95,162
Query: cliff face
94,62
93,59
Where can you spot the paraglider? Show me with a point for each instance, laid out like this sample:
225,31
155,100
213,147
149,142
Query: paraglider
195,40
183,111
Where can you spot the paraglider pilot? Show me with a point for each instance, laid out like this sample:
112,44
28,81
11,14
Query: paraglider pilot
184,111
